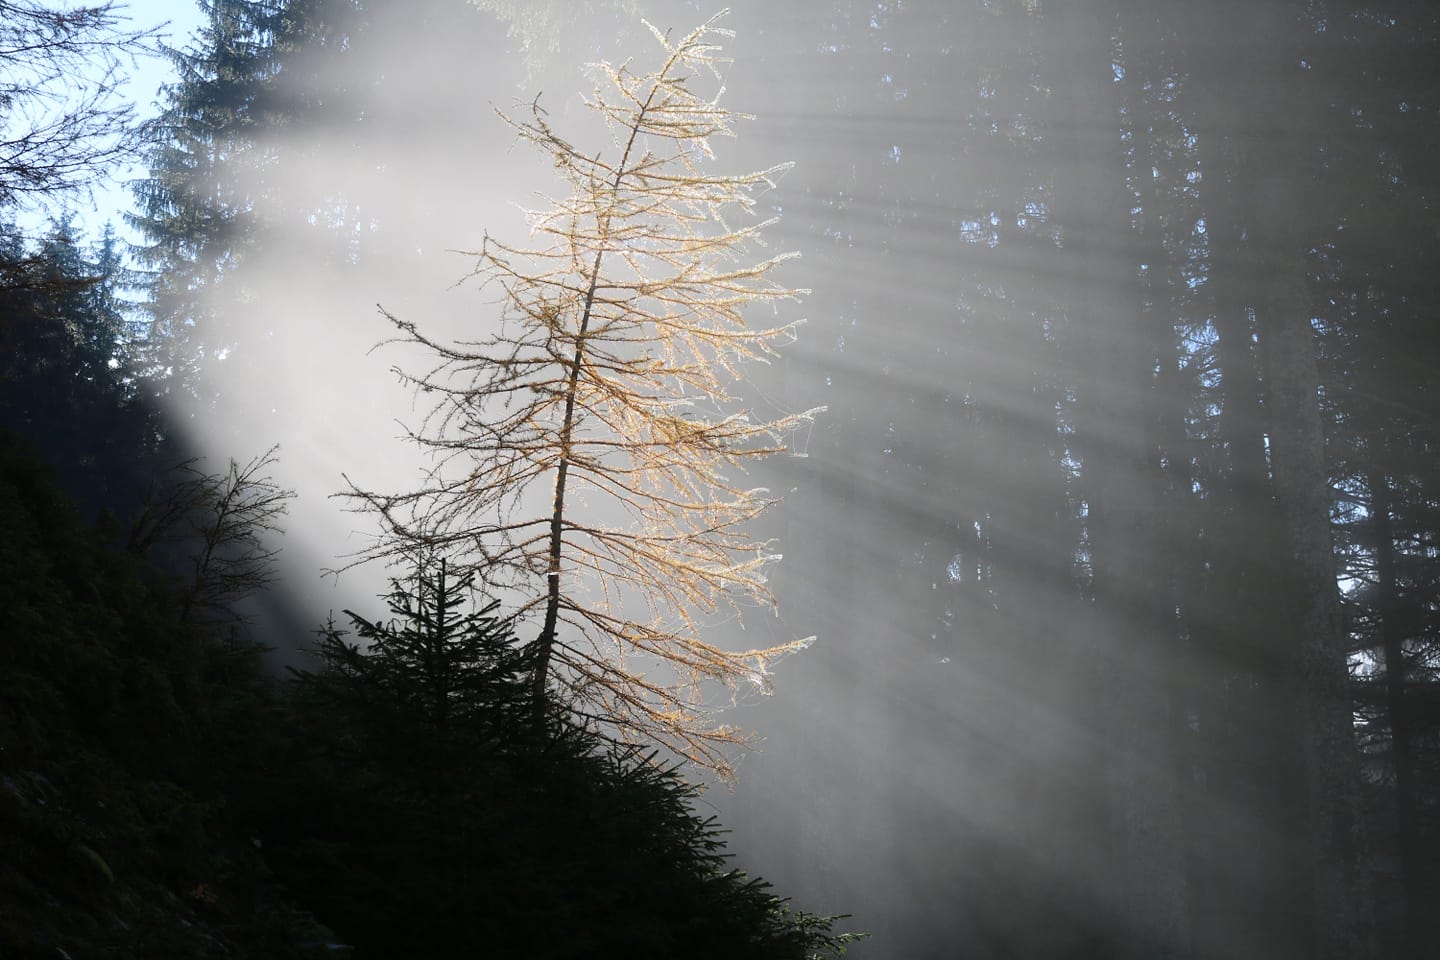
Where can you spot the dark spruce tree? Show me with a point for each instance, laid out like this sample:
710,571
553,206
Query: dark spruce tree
195,208
426,814
67,381
1378,362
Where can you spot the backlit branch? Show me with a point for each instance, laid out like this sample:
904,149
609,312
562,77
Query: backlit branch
583,456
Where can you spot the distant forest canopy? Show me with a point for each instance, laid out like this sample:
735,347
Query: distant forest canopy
1122,532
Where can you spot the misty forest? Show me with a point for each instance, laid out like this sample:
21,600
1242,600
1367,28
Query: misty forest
509,475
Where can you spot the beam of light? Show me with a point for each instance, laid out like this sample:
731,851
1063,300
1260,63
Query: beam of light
945,742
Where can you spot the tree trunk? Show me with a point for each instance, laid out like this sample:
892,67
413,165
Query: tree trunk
1325,833
1122,482
1402,759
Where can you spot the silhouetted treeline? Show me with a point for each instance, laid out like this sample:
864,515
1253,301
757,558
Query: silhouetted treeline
69,376
162,795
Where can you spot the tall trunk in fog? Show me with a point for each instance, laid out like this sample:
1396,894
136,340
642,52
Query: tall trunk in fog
1244,801
1327,824
1159,169
1280,795
1026,531
1391,635
1245,725
1122,485
1311,714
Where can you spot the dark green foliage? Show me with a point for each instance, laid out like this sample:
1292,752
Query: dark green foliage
66,380
438,820
117,722
161,797
433,667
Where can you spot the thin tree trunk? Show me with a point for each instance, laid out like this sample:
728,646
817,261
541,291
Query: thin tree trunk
1122,483
545,643
1245,725
1326,833
1402,759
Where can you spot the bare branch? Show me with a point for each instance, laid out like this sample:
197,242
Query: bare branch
582,457
223,524
63,125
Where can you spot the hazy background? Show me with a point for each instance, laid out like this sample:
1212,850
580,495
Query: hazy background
983,190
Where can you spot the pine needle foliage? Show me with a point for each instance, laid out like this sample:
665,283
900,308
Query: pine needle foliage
585,455
440,820
451,666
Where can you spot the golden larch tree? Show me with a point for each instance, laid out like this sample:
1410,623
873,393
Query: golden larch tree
584,457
